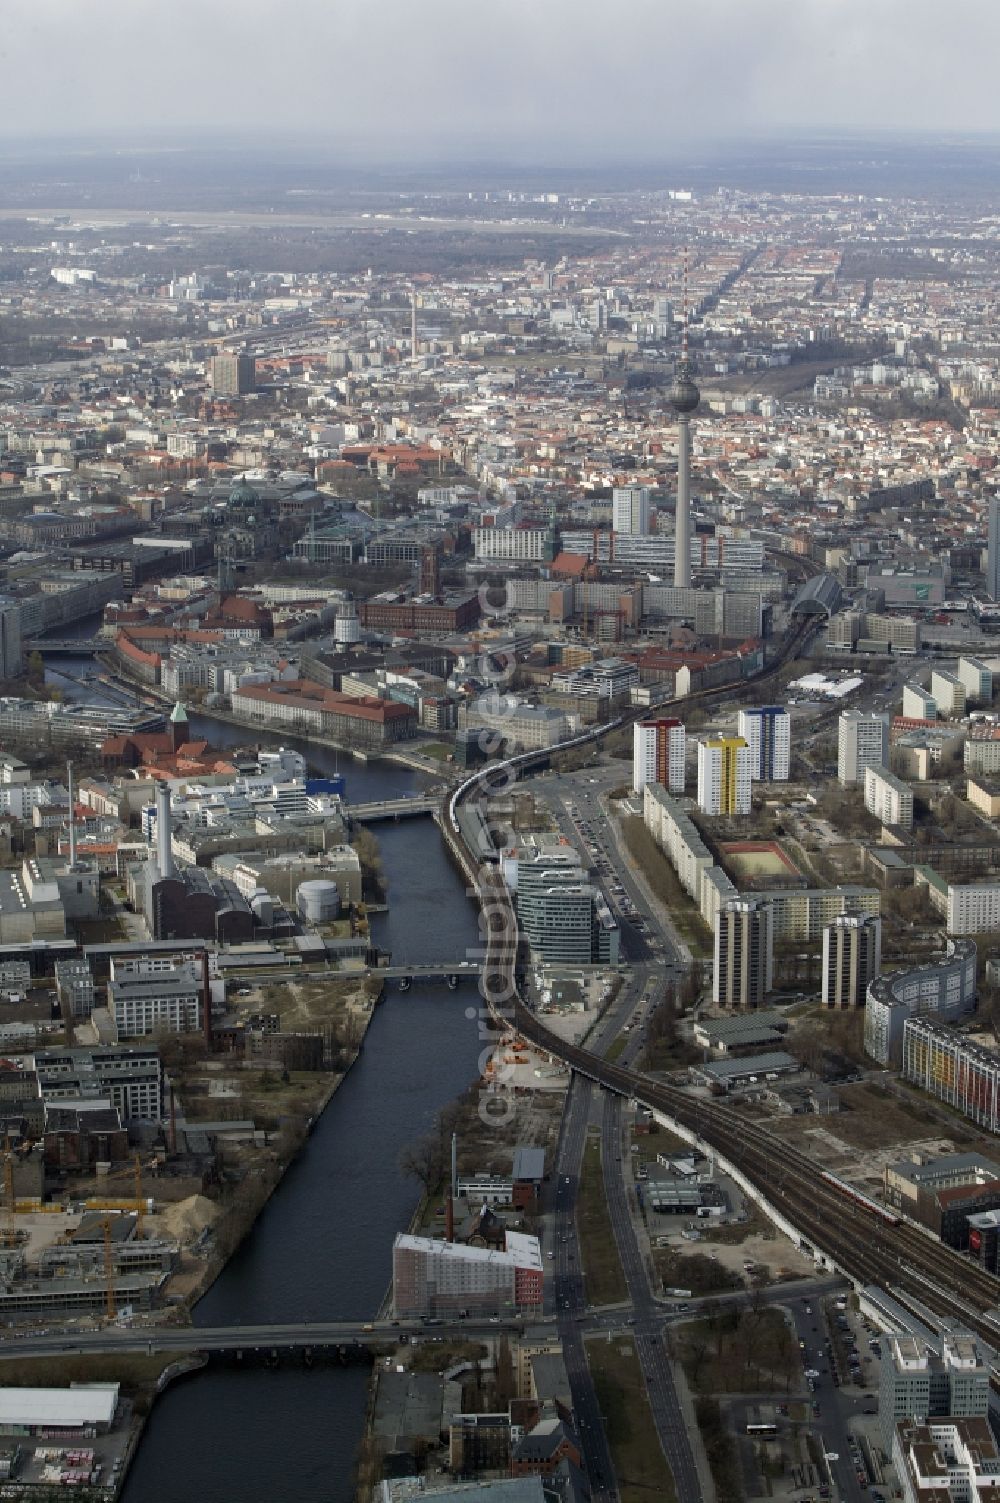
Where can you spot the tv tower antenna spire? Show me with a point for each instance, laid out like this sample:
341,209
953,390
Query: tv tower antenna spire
684,398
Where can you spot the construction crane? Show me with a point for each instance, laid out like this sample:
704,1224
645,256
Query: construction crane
109,1270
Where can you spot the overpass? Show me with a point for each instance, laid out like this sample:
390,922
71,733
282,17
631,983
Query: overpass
393,808
310,1336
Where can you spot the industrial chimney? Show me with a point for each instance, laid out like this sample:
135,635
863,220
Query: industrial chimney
72,817
164,851
206,1001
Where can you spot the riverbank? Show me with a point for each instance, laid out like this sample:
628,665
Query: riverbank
402,756
290,1104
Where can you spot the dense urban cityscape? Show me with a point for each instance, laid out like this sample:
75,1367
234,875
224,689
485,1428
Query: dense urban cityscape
500,826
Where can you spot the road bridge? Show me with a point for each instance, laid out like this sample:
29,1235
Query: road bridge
311,1336
452,971
392,808
66,646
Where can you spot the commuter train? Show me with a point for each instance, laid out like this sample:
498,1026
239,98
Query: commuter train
864,1201
496,769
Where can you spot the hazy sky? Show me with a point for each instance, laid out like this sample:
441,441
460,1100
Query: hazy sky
568,77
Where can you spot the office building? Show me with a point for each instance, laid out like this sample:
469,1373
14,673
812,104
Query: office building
432,1279
744,953
530,545
862,741
768,733
724,776
75,987
945,989
949,693
917,1384
144,996
888,798
563,917
946,1064
977,680
993,550
233,374
852,957
659,748
630,509
130,1076
946,1461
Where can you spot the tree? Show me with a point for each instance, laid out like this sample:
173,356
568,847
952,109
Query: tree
424,1160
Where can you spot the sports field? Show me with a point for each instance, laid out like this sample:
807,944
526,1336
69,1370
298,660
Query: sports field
747,859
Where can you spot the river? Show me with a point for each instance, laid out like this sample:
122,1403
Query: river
322,1248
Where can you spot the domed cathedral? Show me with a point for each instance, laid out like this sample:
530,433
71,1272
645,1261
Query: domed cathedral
246,526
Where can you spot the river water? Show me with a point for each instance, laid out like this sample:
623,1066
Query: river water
322,1248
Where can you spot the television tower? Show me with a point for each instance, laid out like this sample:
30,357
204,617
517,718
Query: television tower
684,398
413,324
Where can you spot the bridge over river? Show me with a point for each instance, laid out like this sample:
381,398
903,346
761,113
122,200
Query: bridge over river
314,1336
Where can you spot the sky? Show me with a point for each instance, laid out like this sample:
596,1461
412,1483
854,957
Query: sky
570,79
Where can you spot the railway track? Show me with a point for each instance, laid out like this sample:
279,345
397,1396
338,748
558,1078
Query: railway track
864,1247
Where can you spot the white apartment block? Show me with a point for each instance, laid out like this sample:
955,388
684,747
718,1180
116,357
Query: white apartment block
630,509
973,908
918,703
724,782
767,730
949,693
862,741
513,544
977,680
888,798
659,749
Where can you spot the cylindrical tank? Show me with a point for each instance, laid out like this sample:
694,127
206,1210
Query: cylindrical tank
318,902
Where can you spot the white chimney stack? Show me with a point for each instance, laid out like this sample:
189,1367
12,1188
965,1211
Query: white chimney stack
164,851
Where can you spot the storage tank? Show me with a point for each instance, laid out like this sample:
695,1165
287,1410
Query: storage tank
318,902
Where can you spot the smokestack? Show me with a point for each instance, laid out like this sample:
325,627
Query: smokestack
164,851
72,816
206,1000
449,1210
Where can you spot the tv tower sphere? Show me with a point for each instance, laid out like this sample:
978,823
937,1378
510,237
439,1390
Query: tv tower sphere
684,395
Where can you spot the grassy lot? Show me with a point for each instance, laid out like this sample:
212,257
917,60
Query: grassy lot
602,1271
643,1474
665,885
756,1225
615,1050
745,1351
437,1356
137,1374
439,750
695,1271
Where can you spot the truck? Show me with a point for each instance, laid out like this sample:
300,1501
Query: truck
679,1293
